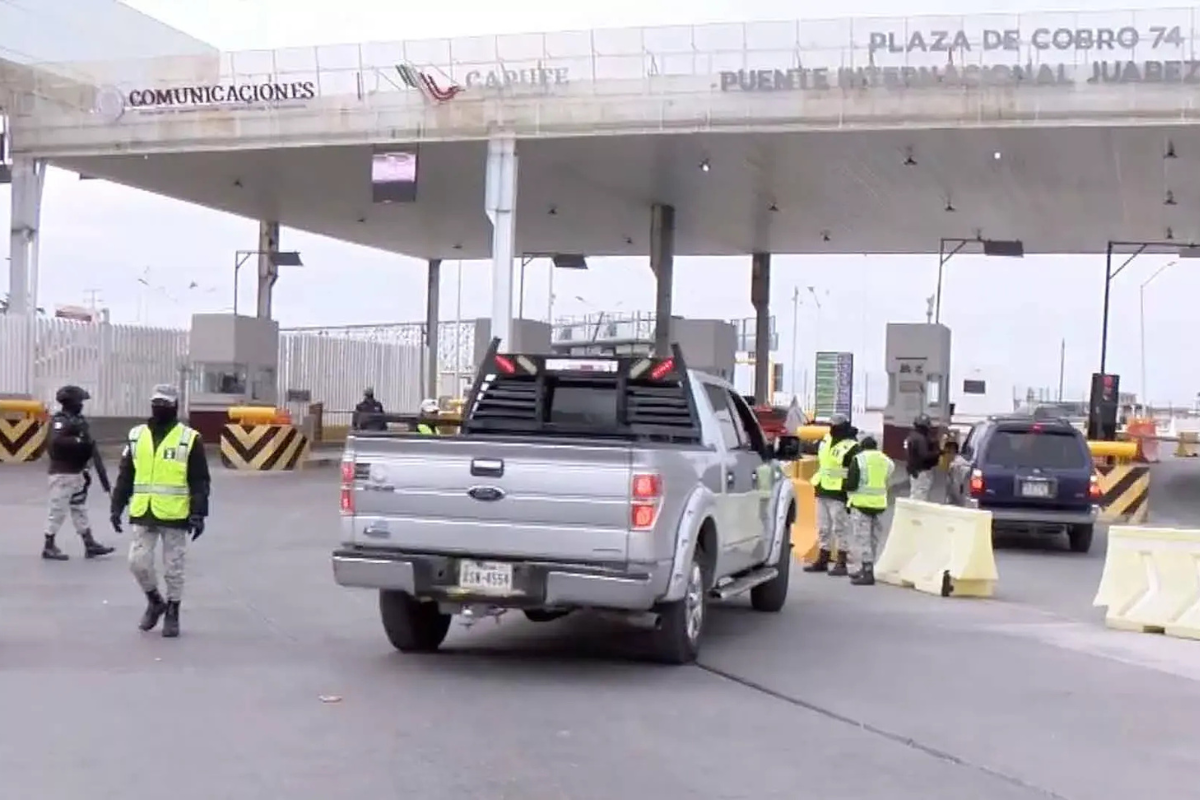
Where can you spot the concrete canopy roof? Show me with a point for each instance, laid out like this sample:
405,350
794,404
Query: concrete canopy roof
1060,190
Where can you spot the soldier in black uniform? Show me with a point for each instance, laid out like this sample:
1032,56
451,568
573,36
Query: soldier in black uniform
72,451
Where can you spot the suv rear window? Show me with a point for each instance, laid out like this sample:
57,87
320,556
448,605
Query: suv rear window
1046,449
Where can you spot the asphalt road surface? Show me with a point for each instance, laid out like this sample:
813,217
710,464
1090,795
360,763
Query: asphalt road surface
283,685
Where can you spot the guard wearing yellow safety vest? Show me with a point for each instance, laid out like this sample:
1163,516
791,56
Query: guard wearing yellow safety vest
164,480
427,417
837,450
867,482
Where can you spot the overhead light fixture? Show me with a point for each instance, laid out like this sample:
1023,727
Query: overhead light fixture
569,261
1170,237
825,236
772,207
1003,248
1170,201
1170,150
909,161
705,166
950,207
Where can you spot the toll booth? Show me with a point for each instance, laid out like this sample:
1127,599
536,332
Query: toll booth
233,361
917,358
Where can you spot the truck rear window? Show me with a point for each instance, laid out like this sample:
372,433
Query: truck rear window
583,404
1046,449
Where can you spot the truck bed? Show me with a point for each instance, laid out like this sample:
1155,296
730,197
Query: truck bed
502,497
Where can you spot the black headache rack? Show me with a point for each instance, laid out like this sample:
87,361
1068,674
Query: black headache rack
513,394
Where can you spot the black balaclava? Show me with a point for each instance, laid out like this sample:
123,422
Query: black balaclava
164,413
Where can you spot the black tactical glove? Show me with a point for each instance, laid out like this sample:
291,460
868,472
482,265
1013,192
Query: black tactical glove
115,519
197,526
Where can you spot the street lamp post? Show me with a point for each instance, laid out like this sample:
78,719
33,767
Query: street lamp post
1142,324
795,329
278,258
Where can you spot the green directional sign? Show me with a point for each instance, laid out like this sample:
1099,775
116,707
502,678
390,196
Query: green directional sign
834,385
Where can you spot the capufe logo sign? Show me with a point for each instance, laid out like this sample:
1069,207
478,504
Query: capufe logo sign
228,94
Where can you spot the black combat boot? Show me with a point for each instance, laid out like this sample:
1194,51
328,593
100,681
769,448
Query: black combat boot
821,564
92,548
155,608
50,550
865,575
839,569
171,621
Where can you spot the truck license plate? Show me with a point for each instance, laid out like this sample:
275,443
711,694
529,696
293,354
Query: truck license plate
1035,489
485,577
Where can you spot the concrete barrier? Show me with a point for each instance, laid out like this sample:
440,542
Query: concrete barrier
1151,580
939,549
263,448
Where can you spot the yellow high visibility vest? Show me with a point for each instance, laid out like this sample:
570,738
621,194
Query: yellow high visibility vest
426,429
160,484
874,471
829,463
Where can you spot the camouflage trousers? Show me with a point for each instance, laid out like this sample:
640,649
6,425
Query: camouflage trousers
865,530
68,498
174,553
920,485
831,523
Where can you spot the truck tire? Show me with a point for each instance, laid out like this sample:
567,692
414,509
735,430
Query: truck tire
770,597
1080,537
681,623
412,626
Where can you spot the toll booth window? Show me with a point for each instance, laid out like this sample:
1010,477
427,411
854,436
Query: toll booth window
220,379
263,387
933,391
582,404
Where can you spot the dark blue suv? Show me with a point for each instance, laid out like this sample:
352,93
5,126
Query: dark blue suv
1034,474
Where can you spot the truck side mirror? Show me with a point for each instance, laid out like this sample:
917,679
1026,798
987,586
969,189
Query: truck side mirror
787,448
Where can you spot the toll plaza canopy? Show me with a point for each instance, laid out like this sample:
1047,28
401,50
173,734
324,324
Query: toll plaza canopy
1063,130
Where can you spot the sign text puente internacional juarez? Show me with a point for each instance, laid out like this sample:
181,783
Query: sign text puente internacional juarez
1099,72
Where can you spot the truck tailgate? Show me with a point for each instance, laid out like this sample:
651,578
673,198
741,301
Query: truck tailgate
480,496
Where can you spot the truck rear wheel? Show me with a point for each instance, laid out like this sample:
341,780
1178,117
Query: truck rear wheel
681,623
411,625
1080,537
771,596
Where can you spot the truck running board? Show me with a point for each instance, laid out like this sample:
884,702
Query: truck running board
744,583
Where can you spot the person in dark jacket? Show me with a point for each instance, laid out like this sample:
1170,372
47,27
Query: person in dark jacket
921,456
368,414
164,480
71,451
836,452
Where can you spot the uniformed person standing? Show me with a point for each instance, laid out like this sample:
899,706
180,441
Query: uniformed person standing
164,480
867,482
369,413
427,417
71,452
921,457
833,456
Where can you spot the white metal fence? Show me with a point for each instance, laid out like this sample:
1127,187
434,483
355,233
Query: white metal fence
120,364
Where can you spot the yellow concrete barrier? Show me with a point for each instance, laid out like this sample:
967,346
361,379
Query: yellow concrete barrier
1186,446
939,549
812,433
1151,580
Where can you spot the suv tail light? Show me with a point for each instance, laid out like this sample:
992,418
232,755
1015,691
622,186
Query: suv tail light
347,500
976,486
645,493
1094,493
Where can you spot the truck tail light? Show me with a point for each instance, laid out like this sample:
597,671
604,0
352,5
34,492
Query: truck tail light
1094,493
645,492
976,486
347,500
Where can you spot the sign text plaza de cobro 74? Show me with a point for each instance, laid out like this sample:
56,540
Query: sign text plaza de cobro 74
1109,52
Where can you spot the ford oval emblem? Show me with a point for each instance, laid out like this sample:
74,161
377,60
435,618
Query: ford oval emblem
486,493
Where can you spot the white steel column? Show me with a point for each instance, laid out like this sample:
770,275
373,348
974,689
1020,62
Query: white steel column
500,204
28,180
268,270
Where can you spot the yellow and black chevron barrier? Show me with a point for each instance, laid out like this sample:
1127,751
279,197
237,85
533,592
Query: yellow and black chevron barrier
22,439
1125,493
263,448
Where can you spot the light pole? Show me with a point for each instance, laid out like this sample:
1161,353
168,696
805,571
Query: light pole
278,258
795,330
1142,324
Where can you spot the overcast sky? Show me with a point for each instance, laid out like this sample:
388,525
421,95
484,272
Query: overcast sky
1008,317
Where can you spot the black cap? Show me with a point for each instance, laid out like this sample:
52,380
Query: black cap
71,394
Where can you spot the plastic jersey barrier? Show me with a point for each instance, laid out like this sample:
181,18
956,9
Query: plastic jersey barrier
939,549
1151,580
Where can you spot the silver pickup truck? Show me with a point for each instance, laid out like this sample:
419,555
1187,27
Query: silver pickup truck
626,485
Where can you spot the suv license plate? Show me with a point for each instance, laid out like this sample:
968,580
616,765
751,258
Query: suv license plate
1035,489
485,577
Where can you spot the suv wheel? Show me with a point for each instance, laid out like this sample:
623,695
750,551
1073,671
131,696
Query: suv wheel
1080,537
681,623
412,626
771,596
